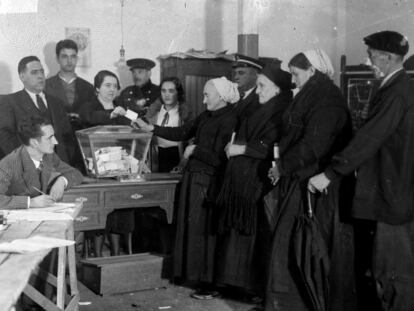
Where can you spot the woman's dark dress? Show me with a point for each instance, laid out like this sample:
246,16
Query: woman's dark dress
243,245
316,126
195,242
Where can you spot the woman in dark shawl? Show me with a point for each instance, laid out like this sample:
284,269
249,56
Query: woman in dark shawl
195,242
244,238
316,126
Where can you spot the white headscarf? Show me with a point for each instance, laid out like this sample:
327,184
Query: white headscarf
321,61
227,89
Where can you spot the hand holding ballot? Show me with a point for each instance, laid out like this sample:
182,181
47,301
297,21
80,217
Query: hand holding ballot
141,124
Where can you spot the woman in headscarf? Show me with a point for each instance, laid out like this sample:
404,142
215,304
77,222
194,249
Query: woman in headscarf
244,237
316,125
195,240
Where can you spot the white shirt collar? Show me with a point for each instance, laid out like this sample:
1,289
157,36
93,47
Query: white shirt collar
67,81
171,111
33,97
247,93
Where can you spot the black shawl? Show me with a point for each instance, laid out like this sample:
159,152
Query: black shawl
246,175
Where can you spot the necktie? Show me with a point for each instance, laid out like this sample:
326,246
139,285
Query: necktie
39,171
165,120
41,104
242,94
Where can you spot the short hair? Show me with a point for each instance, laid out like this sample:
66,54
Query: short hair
31,127
24,61
178,86
300,61
100,76
66,44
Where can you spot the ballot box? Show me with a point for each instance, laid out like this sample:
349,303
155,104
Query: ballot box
114,151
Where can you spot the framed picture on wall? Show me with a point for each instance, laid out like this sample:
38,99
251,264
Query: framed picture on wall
82,37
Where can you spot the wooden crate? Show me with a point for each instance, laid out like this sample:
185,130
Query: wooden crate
120,274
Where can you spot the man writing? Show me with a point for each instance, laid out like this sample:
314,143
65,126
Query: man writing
33,175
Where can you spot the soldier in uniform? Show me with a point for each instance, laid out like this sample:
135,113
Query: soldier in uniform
143,93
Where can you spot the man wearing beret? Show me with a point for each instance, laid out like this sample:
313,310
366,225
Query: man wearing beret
143,93
381,155
245,70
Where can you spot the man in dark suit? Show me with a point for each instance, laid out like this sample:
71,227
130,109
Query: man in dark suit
32,101
381,154
245,70
143,93
72,90
33,169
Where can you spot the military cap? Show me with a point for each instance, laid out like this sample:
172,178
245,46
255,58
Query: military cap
140,63
389,41
246,61
281,78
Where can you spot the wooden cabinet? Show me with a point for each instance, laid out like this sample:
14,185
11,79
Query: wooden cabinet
193,74
102,196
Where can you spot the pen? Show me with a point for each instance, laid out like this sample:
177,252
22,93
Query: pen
38,190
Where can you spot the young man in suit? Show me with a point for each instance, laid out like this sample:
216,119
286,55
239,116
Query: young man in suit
72,90
32,101
33,175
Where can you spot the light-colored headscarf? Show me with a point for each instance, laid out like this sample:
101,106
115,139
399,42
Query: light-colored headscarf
321,61
227,89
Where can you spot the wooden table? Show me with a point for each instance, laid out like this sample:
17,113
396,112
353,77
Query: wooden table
105,195
16,269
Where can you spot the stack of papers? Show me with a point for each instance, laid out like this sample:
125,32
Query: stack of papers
57,211
33,244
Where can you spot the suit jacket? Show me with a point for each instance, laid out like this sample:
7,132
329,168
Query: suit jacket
19,176
84,92
17,106
246,107
382,153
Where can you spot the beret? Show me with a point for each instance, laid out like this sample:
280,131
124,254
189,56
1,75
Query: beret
140,63
246,61
389,41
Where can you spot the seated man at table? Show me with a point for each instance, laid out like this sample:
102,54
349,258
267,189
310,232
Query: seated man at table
33,175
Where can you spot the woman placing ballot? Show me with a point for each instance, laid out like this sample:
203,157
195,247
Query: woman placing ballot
194,252
103,110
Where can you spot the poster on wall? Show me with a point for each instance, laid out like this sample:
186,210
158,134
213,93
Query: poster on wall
82,37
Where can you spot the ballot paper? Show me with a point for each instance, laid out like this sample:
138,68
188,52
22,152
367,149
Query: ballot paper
33,244
132,115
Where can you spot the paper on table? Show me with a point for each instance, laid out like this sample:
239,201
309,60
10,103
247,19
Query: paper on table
132,115
33,244
36,215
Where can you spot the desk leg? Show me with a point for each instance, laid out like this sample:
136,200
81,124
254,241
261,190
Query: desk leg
61,286
169,210
74,293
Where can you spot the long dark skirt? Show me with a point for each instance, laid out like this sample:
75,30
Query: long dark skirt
284,291
195,240
242,259
121,221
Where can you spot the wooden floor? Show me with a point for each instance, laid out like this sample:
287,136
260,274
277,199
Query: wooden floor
174,298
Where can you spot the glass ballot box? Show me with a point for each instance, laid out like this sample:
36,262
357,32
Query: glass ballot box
114,151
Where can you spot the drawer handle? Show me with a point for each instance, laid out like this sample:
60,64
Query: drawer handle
81,218
136,196
81,199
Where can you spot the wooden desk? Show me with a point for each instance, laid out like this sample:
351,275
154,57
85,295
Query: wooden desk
16,269
105,195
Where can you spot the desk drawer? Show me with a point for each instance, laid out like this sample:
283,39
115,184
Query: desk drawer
93,221
136,197
92,198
